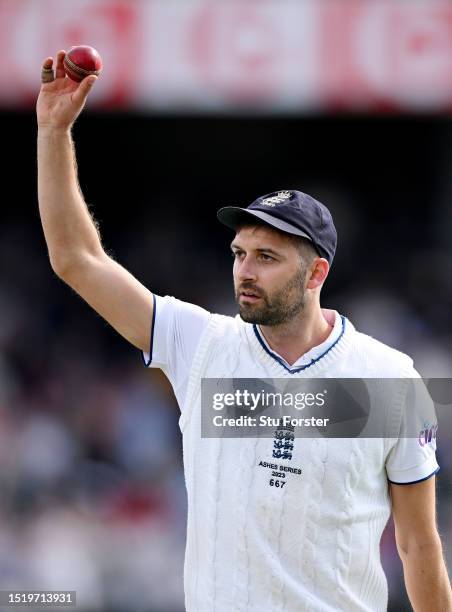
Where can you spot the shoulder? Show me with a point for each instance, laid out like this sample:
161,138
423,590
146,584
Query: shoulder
384,359
184,320
168,304
227,326
224,336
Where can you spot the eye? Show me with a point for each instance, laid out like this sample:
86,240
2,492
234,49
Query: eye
236,254
266,257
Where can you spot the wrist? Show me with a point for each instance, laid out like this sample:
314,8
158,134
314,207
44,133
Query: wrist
48,130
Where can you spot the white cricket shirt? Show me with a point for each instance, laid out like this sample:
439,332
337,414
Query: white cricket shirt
314,543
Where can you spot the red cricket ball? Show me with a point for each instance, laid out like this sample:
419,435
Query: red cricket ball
81,61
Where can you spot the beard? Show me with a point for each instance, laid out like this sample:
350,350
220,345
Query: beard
279,308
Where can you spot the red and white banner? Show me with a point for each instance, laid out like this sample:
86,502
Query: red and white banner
239,55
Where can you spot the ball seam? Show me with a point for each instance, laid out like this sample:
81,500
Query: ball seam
78,69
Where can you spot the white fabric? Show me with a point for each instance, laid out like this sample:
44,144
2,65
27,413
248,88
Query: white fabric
178,327
412,459
314,544
316,351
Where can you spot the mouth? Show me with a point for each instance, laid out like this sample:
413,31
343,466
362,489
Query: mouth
249,297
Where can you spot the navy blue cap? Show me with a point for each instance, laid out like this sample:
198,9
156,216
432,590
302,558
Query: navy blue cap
292,212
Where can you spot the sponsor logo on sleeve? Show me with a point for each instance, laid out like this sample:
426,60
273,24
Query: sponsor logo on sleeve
427,435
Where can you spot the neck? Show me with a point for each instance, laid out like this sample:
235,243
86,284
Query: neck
293,339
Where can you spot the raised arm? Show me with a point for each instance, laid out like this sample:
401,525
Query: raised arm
419,546
73,240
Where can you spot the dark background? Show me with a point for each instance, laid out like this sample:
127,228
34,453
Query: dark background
88,438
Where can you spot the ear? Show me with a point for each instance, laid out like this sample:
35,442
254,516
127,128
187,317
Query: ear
317,273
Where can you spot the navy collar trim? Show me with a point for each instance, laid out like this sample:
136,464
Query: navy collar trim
301,368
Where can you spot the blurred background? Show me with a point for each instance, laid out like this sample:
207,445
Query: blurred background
204,104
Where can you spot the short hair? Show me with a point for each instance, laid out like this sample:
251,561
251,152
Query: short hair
306,249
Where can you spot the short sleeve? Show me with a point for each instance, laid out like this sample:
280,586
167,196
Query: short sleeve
176,328
413,457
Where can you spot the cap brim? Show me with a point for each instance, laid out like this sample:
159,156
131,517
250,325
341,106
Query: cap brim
233,216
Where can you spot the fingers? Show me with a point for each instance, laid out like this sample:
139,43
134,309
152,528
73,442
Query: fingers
47,72
47,75
83,89
60,72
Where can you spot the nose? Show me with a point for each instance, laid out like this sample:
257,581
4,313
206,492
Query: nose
246,269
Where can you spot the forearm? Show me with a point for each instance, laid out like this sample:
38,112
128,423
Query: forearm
68,227
426,578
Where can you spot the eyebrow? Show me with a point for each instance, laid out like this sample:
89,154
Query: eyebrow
261,250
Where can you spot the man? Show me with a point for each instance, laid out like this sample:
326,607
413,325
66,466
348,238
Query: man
311,543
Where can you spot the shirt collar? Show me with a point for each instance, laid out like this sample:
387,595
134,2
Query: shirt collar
316,351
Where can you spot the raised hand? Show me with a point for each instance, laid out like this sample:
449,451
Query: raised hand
61,99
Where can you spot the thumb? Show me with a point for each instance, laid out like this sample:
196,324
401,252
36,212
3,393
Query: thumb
84,88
